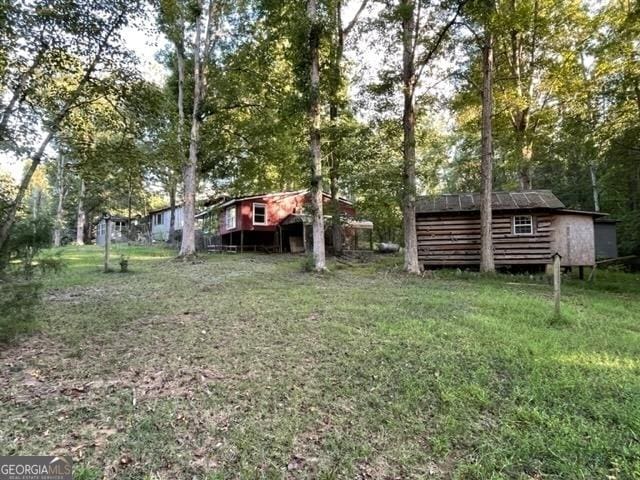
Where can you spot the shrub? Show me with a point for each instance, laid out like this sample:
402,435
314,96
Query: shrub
124,264
308,264
51,263
18,304
28,237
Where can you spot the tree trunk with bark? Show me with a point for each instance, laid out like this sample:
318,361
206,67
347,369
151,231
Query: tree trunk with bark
179,47
594,187
411,264
314,136
487,264
336,221
335,84
525,148
188,244
336,57
81,215
59,220
172,214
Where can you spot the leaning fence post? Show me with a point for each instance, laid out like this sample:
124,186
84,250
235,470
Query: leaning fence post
556,282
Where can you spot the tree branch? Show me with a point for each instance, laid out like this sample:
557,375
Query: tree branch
354,20
440,38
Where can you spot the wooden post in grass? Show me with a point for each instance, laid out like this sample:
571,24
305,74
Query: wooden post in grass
107,240
556,282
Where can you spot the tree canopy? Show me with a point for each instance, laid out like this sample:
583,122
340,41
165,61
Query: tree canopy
398,103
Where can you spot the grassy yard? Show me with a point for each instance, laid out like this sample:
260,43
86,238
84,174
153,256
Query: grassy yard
246,367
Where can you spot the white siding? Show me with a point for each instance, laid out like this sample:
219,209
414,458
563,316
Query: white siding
160,230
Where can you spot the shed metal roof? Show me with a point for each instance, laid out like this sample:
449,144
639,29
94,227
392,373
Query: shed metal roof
469,202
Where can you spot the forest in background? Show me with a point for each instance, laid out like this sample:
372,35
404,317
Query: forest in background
263,95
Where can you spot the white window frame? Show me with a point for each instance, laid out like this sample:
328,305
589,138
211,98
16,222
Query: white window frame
263,205
228,224
516,224
157,216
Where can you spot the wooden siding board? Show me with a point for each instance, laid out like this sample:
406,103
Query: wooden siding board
455,239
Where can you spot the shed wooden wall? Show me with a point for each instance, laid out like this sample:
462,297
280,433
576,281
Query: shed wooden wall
454,239
574,239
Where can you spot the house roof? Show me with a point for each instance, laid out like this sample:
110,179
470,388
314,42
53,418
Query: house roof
276,194
469,202
113,218
207,202
585,212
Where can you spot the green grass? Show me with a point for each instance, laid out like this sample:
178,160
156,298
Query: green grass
243,366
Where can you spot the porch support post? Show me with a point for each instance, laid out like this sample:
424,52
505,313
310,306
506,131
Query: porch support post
241,241
304,237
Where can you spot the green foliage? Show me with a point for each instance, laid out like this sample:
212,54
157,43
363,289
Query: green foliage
308,263
28,236
8,190
124,263
578,89
19,302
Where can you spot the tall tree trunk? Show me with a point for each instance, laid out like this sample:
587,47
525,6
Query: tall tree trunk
314,136
179,47
59,221
337,52
336,221
81,215
129,207
486,242
525,150
37,203
188,244
411,264
172,214
594,187
335,83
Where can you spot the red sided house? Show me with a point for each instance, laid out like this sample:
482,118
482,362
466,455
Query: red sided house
280,222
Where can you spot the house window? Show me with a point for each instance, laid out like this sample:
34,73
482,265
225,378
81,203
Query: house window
158,219
259,214
522,225
230,218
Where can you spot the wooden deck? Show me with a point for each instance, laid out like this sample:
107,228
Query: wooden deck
222,248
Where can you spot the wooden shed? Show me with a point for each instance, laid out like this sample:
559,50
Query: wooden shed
527,228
